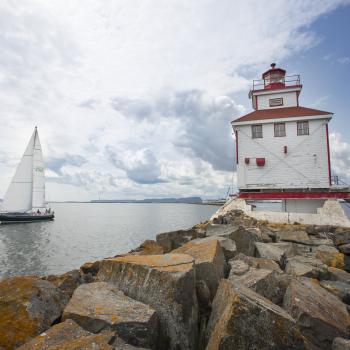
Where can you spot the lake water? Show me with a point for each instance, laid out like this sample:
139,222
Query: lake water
84,232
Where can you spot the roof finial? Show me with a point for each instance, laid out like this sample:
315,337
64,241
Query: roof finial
273,65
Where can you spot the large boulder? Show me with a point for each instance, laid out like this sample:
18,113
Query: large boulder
227,245
320,315
148,247
270,251
166,283
28,306
344,248
175,239
238,268
304,266
56,336
259,263
341,344
101,306
242,319
68,335
268,283
341,236
245,239
339,275
66,282
225,231
293,236
330,256
340,289
210,264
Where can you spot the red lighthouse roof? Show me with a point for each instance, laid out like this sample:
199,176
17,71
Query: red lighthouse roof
277,113
278,71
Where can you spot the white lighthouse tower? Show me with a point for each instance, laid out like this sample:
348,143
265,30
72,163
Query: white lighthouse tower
282,148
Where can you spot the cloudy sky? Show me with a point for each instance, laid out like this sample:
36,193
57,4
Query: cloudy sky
133,99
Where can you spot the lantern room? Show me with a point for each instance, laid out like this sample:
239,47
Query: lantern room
274,78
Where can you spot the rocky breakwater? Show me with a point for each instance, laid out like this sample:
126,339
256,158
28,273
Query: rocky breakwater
234,283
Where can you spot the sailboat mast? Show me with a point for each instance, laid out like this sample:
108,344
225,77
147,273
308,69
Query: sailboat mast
38,197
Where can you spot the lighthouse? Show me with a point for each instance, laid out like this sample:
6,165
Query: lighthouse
282,148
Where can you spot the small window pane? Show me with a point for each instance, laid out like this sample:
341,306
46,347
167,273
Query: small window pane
274,102
280,129
303,128
257,131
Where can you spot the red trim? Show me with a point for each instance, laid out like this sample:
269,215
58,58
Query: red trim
274,70
329,158
280,88
236,132
293,195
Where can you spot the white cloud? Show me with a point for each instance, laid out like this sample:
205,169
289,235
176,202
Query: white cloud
150,80
340,157
343,60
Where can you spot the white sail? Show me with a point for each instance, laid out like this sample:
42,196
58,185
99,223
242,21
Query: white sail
18,197
38,175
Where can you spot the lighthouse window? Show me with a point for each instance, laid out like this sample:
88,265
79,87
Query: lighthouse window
280,129
257,131
273,102
303,128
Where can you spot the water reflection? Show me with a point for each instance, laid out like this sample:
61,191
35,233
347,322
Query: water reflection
23,247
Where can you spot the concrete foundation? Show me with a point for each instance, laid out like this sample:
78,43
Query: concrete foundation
307,206
331,213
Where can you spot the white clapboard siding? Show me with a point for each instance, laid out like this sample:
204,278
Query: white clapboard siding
304,166
289,99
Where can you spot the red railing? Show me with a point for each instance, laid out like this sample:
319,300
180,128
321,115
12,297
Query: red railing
288,80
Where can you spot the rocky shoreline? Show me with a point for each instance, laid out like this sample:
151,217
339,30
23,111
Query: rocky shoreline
230,283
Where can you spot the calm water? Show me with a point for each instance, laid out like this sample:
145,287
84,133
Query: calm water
85,232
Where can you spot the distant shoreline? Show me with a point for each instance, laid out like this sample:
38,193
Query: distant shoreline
215,203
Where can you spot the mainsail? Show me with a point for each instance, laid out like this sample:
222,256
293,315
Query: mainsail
27,188
38,199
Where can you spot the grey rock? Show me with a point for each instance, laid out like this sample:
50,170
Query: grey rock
341,236
210,263
101,306
269,251
66,282
56,336
227,245
242,319
245,239
303,266
340,289
294,236
289,249
270,284
221,230
341,344
175,239
238,267
320,315
203,296
338,275
165,282
259,263
344,248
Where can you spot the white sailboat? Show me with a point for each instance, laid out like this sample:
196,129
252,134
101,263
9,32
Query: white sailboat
24,200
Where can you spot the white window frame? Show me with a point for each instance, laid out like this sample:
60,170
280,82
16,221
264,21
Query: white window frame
257,134
279,129
303,128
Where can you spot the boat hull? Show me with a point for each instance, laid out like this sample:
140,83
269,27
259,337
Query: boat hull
17,218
